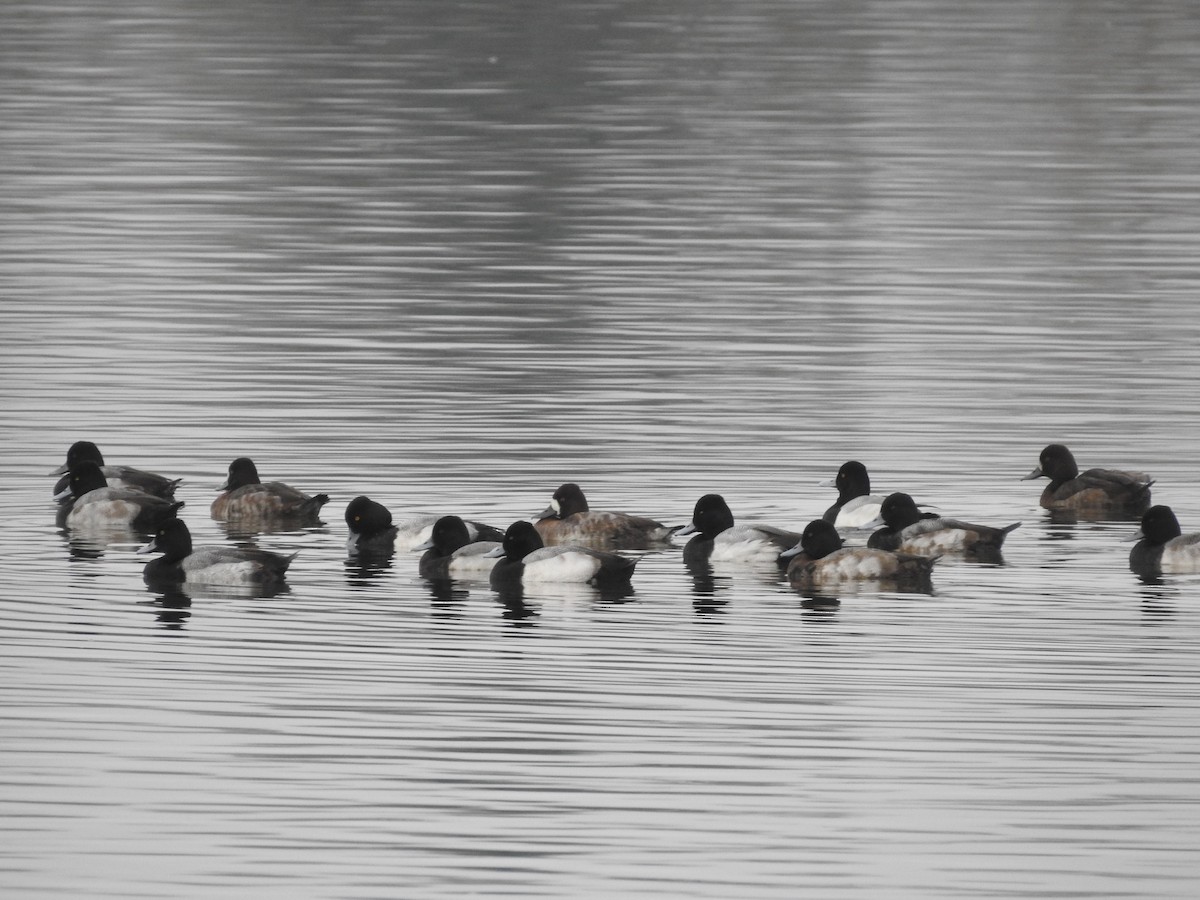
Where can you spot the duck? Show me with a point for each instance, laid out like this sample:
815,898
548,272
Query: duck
718,539
1093,491
116,476
820,559
372,528
906,529
417,529
1162,546
450,552
568,520
89,502
523,559
856,506
217,565
245,498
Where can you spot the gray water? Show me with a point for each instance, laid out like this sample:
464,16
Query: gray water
453,254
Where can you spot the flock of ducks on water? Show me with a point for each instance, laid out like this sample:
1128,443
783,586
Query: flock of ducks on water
569,542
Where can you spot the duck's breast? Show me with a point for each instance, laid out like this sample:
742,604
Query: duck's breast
859,512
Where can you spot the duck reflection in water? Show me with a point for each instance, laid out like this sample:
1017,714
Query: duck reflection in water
366,569
819,607
706,585
173,606
447,595
516,611
95,543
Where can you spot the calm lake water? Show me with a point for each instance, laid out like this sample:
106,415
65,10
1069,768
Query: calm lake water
452,254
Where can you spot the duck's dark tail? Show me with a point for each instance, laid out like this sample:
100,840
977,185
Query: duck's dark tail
313,504
617,570
1000,534
479,531
150,518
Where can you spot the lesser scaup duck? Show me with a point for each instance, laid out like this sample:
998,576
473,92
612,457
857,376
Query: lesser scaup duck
820,559
856,506
1162,546
218,565
245,498
418,529
718,539
1095,491
568,519
88,502
373,529
906,529
522,558
116,476
450,552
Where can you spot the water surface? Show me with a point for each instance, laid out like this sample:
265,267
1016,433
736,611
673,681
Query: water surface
451,255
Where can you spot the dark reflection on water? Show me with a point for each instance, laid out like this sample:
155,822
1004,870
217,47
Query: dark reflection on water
447,595
515,610
365,571
820,607
172,608
454,254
